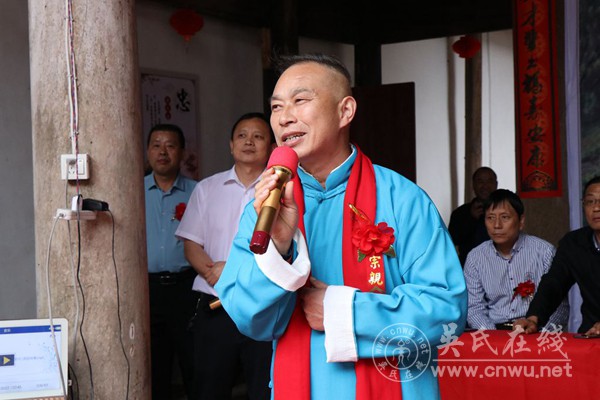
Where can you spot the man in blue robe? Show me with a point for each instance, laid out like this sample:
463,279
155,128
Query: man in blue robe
412,299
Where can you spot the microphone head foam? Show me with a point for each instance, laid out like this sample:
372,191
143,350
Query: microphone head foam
284,156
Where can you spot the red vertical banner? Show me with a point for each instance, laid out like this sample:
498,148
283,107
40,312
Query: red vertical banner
536,99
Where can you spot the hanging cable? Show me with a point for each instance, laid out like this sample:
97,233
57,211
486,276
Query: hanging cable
49,298
87,354
72,81
112,218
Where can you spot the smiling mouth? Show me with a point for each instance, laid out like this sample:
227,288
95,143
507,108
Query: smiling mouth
293,137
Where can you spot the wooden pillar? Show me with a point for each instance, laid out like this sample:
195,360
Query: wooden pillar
473,118
105,49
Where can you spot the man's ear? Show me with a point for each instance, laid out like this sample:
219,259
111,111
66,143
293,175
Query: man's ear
522,222
347,110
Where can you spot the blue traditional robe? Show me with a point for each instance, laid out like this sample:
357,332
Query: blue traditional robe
424,283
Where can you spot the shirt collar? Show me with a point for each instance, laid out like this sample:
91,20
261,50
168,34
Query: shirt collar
596,244
516,247
232,177
178,184
519,243
337,176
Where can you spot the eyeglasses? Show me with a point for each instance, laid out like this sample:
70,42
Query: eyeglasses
591,202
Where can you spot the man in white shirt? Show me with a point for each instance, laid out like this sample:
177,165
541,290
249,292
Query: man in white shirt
208,228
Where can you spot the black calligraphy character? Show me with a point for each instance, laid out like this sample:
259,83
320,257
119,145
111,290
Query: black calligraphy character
531,83
184,103
530,19
531,40
532,63
536,134
532,113
537,157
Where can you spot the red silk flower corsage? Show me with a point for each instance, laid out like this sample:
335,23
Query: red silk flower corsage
524,289
371,239
179,210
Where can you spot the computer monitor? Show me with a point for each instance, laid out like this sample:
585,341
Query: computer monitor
29,368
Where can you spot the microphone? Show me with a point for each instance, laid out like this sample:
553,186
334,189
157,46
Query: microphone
284,161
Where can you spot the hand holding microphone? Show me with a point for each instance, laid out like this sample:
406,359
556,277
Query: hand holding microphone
284,164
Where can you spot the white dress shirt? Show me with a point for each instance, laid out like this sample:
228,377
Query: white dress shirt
212,216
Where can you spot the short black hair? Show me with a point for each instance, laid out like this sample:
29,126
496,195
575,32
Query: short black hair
482,169
282,63
252,115
168,128
499,196
594,180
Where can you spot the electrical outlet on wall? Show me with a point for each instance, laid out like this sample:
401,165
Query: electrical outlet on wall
72,168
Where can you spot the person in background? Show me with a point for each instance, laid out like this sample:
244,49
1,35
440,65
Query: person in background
378,254
577,260
170,275
503,273
466,226
207,231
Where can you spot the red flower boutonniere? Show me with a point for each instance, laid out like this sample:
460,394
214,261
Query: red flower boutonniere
524,289
371,239
179,210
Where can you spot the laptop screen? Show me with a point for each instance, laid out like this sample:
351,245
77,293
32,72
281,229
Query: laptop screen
29,368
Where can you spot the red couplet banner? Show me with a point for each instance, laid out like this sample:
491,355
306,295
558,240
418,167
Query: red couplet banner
536,99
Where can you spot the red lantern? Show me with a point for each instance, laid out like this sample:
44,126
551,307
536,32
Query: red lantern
186,22
466,46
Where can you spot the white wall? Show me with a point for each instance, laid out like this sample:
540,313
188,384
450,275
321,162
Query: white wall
498,111
17,244
440,111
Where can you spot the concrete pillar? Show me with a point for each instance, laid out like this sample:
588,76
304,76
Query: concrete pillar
109,111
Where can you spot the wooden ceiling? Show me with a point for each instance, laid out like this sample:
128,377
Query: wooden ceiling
364,22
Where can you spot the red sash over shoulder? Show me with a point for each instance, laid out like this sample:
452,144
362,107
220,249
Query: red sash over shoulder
291,373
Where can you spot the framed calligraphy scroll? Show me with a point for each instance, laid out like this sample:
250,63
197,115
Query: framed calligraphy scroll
536,99
172,99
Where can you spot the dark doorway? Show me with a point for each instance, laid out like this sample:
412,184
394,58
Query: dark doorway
384,126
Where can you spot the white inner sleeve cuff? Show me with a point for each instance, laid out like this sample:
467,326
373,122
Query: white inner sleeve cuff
338,311
290,277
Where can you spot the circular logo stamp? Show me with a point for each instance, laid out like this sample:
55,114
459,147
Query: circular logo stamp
401,352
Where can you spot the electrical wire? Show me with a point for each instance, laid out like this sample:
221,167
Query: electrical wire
73,96
72,75
112,218
74,134
49,295
75,385
75,294
74,278
87,354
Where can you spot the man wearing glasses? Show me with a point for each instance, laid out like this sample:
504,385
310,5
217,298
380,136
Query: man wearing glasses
577,260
